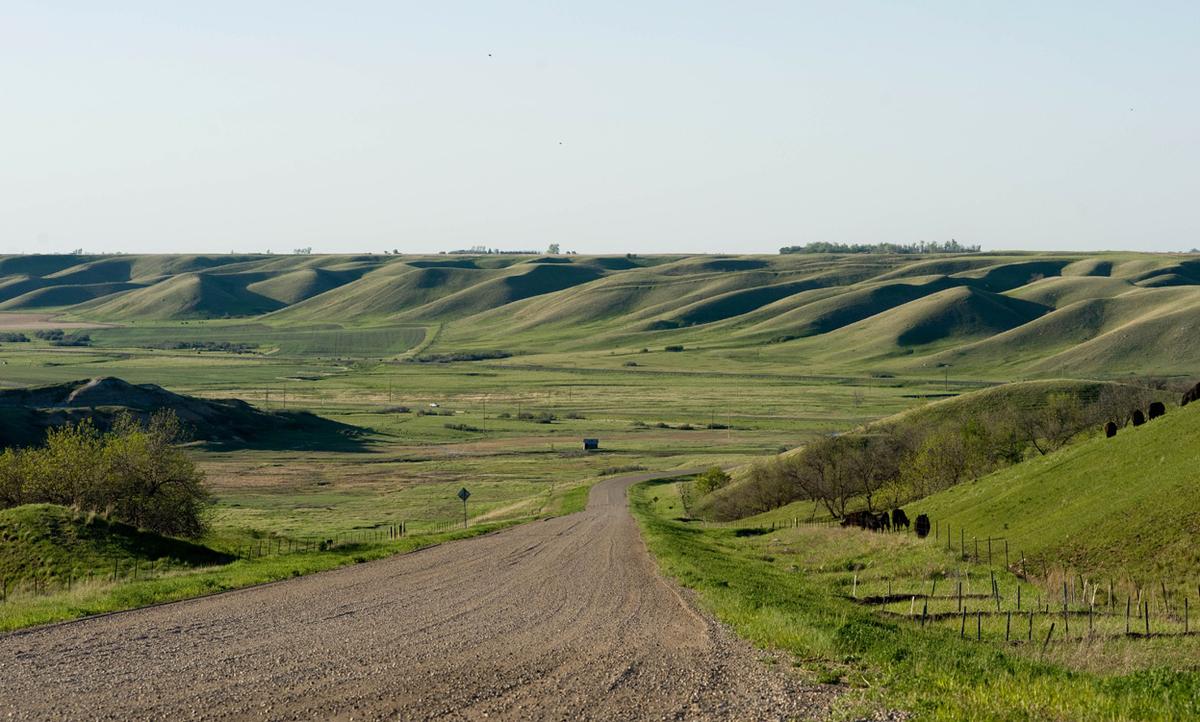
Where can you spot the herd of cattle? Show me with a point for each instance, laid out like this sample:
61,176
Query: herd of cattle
1156,410
899,520
883,522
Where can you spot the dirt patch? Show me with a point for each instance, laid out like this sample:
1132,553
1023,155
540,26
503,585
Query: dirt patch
35,321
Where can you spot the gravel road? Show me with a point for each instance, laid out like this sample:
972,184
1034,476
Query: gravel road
562,619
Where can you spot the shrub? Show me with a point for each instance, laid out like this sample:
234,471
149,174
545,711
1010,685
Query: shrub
542,417
673,349
711,480
443,358
13,337
135,472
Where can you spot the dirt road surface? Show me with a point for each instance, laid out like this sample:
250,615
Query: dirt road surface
562,619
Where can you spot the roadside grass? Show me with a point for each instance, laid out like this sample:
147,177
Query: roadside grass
99,596
796,601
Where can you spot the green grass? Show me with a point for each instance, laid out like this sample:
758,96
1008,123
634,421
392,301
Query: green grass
765,588
51,543
1103,508
102,595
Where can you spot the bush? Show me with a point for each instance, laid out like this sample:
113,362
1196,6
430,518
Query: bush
49,334
444,358
13,337
463,427
543,417
711,480
135,472
673,349
81,339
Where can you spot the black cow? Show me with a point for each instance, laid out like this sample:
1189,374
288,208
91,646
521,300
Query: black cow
1157,409
860,519
1138,417
1193,394
899,519
922,525
1110,430
881,522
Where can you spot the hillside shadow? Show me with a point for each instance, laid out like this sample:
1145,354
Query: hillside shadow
297,431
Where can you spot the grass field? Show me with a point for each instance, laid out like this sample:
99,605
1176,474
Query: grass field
793,590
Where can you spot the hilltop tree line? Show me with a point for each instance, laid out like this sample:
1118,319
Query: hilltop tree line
135,472
884,466
921,247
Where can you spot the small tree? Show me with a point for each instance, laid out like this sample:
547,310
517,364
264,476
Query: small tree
711,480
554,249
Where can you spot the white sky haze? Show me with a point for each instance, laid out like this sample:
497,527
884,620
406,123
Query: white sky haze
606,127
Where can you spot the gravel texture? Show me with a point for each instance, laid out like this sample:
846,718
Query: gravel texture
562,619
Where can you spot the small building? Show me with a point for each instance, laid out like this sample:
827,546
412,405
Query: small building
591,444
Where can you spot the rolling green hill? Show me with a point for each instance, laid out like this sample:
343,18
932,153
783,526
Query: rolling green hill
1004,315
1118,507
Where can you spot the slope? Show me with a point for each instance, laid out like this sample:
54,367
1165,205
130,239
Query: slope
1113,507
54,542
190,295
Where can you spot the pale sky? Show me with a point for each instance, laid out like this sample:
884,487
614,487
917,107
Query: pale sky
608,127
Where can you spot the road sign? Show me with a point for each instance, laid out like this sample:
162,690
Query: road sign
463,494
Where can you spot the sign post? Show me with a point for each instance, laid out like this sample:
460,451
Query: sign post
464,495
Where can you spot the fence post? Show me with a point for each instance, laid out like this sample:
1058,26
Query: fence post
1008,626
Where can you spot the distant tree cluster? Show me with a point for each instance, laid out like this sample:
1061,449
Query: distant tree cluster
57,337
950,246
884,466
485,251
135,473
13,337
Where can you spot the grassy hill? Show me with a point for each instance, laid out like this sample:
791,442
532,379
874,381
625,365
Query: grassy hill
51,542
1005,315
743,496
1109,507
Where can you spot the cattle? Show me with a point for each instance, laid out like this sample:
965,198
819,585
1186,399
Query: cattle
860,519
1157,409
1138,417
899,519
922,526
1110,430
1193,394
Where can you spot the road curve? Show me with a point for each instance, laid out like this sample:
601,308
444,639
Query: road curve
559,619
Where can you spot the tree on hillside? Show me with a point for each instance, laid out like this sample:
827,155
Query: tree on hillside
156,485
711,480
136,473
